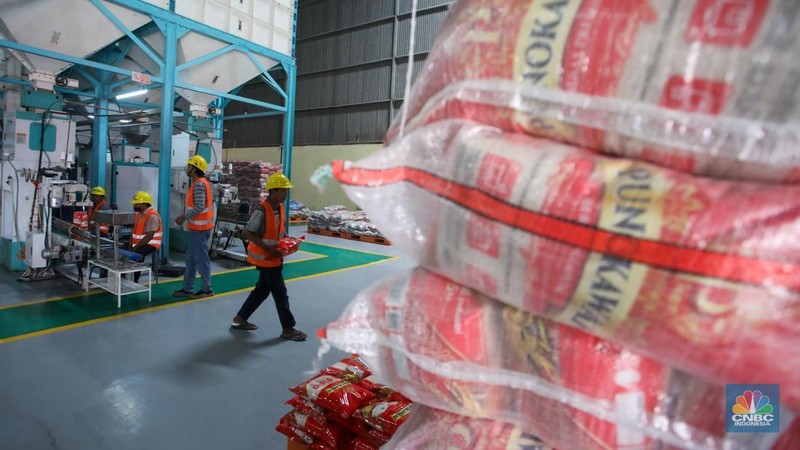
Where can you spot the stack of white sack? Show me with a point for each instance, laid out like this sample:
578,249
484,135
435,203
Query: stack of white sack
450,348
701,274
703,86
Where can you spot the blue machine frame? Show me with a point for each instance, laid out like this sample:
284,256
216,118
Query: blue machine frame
173,27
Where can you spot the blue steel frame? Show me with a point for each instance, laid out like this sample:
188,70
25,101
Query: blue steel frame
173,26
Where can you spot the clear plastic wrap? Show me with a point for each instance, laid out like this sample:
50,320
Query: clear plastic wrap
705,86
701,274
453,349
433,429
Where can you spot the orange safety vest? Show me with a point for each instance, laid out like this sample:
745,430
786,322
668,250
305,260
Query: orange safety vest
138,228
257,255
205,220
104,229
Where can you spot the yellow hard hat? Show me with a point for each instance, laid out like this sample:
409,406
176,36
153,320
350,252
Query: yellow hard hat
98,190
199,162
142,197
278,181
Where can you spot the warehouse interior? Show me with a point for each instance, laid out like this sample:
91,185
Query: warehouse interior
508,224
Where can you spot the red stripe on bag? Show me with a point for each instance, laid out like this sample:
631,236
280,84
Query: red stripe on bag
652,253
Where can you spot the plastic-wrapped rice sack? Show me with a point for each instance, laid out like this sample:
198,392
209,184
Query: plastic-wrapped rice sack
450,348
697,85
432,429
699,273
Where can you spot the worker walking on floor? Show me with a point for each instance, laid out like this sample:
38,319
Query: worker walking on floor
98,194
147,227
265,228
199,217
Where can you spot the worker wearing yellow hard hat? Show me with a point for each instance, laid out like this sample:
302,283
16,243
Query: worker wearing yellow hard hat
263,231
98,195
199,217
147,227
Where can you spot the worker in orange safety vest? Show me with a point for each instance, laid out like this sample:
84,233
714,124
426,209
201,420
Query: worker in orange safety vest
147,227
199,218
98,194
265,228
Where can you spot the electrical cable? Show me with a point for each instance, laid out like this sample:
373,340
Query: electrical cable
409,67
213,154
15,203
39,166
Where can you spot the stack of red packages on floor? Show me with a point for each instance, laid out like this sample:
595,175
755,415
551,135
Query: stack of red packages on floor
339,408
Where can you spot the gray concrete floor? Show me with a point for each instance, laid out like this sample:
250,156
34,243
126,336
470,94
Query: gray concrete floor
174,378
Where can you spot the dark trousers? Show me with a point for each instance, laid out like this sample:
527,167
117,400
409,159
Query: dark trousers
270,281
144,251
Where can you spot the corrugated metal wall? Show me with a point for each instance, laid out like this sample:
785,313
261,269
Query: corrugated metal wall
351,59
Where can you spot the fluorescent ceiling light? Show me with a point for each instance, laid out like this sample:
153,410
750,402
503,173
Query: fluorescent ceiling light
91,116
124,121
132,94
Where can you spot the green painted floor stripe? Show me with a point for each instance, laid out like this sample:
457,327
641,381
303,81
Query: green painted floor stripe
31,318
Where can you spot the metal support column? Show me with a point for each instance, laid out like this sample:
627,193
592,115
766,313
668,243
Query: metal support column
288,127
167,107
100,136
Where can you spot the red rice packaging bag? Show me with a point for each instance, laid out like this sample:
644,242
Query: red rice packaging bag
696,85
452,349
384,415
351,368
790,439
702,274
433,429
306,407
334,394
362,429
318,429
382,391
363,444
296,434
289,245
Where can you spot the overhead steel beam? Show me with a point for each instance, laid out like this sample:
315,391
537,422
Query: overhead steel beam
68,58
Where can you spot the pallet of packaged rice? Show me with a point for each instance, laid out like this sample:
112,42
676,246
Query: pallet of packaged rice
453,349
337,221
249,178
340,408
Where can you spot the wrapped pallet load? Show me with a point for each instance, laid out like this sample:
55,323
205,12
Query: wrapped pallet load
602,196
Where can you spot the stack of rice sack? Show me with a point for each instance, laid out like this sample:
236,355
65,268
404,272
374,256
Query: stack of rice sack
340,408
453,349
249,177
702,86
338,219
325,218
620,174
298,211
